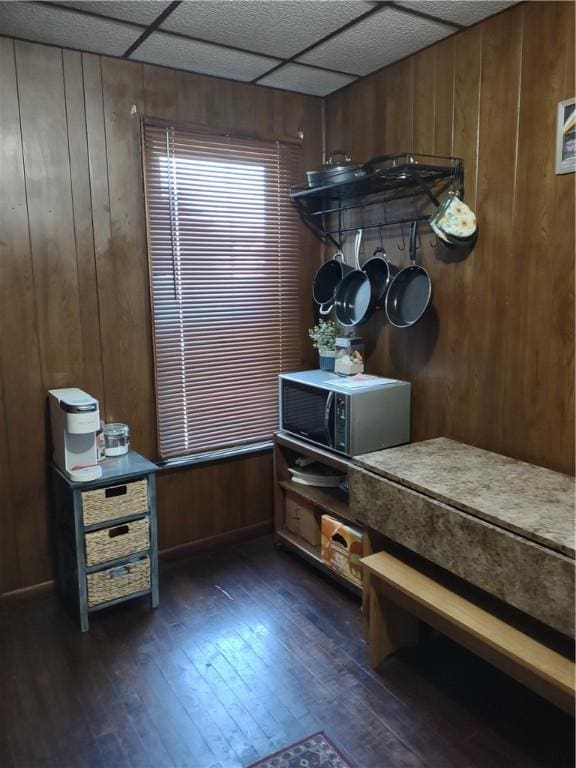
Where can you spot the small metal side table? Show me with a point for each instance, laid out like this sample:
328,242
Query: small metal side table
106,537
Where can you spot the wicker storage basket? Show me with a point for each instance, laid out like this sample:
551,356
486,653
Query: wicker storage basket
120,581
105,504
118,541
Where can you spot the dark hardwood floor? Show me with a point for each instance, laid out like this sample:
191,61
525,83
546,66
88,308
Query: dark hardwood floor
250,651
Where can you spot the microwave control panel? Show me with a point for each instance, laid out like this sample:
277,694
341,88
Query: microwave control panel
340,419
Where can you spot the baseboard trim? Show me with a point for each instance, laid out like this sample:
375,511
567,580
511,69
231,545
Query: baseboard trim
178,552
181,551
34,590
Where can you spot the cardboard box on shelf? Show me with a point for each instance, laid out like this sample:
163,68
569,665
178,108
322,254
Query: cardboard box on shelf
342,547
301,519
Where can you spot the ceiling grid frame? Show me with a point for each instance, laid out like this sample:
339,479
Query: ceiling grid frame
158,32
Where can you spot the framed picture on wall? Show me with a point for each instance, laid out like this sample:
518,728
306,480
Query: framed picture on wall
566,137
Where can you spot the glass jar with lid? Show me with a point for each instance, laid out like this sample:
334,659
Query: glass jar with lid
349,355
116,439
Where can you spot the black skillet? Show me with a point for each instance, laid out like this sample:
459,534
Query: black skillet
381,272
354,298
410,291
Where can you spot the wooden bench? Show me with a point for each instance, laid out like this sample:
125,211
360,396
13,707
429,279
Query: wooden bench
399,596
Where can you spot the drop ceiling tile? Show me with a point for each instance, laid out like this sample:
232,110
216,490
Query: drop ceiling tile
170,51
295,77
66,28
137,11
279,28
462,12
376,42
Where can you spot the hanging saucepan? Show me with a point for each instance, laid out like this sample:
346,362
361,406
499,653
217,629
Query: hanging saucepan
327,279
410,291
380,271
354,300
338,169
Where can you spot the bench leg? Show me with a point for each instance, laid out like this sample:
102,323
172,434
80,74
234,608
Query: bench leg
366,592
367,549
389,627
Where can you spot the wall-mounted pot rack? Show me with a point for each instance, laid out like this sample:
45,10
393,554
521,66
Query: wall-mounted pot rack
397,177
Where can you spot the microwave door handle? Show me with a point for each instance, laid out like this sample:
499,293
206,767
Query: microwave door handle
327,409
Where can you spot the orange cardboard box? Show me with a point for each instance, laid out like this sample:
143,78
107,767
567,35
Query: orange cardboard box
342,548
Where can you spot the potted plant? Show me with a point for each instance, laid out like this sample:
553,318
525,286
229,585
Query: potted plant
323,338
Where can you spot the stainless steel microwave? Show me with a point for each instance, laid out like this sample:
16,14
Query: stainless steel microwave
344,415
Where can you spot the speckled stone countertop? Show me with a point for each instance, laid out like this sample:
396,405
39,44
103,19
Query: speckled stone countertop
530,501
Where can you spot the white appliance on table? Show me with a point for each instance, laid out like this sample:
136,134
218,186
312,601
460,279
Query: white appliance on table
75,420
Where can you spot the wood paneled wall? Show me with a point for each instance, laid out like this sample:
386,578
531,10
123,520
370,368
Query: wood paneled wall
74,295
493,363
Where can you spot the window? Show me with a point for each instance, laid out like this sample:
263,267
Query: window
224,265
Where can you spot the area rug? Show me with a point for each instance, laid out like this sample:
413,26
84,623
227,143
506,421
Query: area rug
316,751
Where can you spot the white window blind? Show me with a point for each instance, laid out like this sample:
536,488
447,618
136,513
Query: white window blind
224,264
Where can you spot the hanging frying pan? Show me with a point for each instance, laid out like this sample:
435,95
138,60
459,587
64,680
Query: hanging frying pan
410,291
354,299
327,279
380,271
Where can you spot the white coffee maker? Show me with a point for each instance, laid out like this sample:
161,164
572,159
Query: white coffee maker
75,420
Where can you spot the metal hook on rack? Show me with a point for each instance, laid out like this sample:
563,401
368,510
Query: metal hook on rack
418,243
403,246
418,236
460,190
384,223
455,178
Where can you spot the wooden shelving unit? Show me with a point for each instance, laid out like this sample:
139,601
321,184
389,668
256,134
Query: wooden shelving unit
332,501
